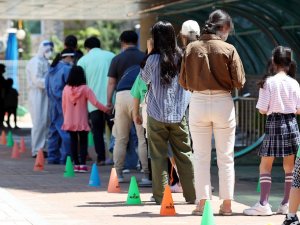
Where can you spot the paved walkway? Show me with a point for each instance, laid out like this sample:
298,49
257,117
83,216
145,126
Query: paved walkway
28,197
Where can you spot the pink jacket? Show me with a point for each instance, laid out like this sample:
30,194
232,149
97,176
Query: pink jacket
74,105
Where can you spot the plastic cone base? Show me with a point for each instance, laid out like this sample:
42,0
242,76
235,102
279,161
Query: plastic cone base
94,178
208,215
69,169
133,197
113,185
15,154
39,161
167,205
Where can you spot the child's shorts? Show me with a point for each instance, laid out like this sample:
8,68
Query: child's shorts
296,174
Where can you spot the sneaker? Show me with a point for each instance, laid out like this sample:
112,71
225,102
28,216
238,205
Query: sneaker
176,188
83,169
291,221
145,182
283,209
76,168
126,171
259,210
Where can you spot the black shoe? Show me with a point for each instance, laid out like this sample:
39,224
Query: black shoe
291,221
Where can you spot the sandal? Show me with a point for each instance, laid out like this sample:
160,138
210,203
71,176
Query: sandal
224,213
198,211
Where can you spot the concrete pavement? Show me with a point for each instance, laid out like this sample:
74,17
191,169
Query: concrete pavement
28,197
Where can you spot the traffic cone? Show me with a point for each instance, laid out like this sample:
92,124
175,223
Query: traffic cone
3,138
133,197
90,140
39,161
69,169
208,215
15,154
167,205
258,186
22,145
10,140
113,185
94,178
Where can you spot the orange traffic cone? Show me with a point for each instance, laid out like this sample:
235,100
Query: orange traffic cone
15,154
167,204
3,138
113,185
22,145
39,161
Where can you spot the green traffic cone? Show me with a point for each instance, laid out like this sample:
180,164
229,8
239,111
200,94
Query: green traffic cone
298,152
90,140
208,215
10,140
133,197
258,186
69,169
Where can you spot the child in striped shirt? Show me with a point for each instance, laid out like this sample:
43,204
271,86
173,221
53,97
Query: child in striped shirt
279,98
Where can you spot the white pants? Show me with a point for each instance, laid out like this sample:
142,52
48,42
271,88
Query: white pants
213,111
121,130
38,108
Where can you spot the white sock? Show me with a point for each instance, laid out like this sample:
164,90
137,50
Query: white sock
290,215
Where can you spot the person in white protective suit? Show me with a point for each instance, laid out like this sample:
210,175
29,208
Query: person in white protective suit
36,71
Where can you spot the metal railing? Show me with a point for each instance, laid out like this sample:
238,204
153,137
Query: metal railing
250,125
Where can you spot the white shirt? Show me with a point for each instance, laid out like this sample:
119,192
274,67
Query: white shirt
281,94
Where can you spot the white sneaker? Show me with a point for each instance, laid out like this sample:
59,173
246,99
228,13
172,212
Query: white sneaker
145,182
176,188
283,209
259,210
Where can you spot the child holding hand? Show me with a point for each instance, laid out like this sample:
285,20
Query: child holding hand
76,95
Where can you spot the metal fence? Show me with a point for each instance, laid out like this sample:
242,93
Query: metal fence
250,123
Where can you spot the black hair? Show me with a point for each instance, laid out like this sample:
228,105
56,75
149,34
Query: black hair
281,57
165,44
9,82
92,42
58,57
270,71
129,37
216,20
2,68
71,42
76,77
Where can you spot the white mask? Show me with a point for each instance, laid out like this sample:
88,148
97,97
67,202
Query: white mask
48,54
222,35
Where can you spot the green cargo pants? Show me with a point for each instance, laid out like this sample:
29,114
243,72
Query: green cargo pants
159,136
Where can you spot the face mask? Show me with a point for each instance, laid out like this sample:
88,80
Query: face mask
48,54
222,35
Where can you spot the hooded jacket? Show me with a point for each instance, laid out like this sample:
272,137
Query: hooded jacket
74,105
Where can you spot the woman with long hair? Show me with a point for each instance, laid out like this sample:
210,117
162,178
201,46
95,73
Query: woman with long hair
166,106
211,69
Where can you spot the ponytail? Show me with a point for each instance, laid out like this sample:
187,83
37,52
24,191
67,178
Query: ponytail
292,69
56,60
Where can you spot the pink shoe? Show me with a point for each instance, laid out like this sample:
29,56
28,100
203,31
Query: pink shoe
83,169
76,168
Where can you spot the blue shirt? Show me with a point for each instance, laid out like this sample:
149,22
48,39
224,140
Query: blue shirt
96,65
166,103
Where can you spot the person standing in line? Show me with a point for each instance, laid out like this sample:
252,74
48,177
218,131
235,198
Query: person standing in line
2,94
211,69
58,141
279,99
71,43
166,106
36,71
190,31
123,71
75,96
96,65
11,102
